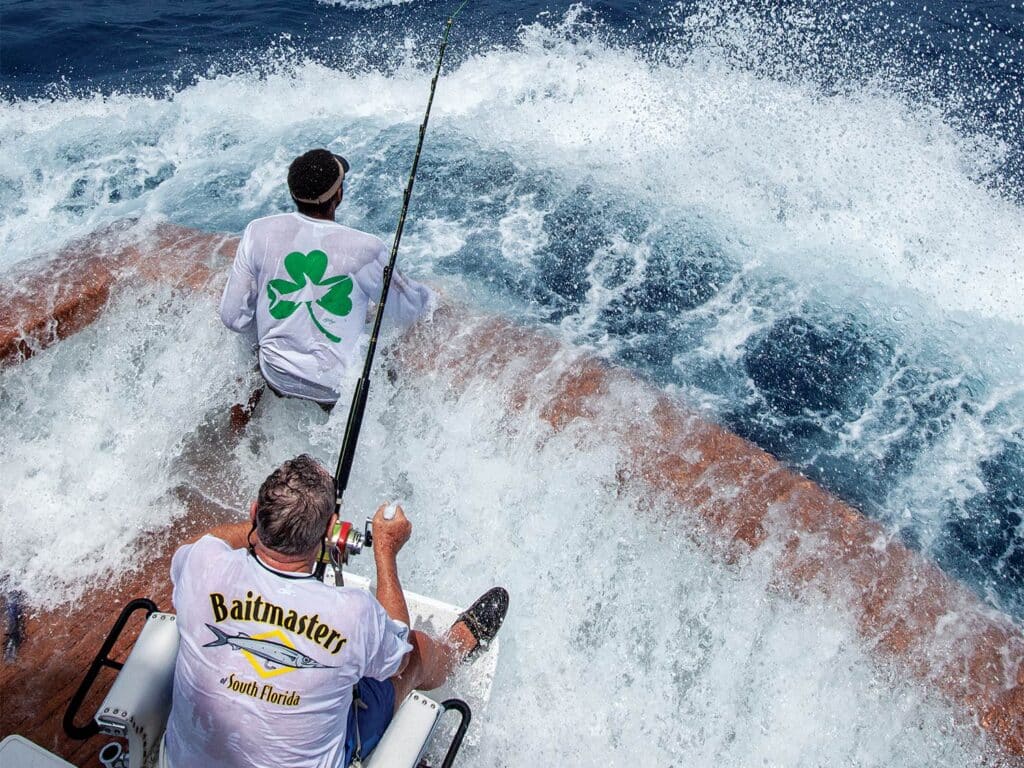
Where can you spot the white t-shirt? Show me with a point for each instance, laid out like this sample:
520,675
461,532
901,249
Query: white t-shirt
307,283
267,661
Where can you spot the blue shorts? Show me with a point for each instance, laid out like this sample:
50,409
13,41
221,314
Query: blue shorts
379,698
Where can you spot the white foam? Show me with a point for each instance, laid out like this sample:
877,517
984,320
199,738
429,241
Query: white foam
948,473
857,187
95,429
860,188
650,651
363,5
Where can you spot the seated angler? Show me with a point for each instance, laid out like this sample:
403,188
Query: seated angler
306,281
269,654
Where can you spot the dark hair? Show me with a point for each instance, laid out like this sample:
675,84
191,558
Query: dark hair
294,505
309,176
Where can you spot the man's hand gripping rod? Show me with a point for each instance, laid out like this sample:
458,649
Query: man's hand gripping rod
344,539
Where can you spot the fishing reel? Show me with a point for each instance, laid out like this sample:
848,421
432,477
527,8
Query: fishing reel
343,541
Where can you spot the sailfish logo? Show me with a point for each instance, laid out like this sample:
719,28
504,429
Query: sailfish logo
273,654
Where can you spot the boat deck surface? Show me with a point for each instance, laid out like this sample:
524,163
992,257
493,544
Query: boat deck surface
59,645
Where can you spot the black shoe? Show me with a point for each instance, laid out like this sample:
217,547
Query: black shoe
484,618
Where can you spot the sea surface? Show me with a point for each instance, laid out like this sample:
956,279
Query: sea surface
805,218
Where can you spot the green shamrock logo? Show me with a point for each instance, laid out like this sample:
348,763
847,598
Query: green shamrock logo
309,288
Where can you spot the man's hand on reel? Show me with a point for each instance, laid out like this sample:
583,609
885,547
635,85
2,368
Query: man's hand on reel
390,531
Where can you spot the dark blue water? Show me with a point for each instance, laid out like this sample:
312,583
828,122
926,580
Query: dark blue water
116,44
903,406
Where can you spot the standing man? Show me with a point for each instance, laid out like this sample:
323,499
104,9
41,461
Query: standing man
306,281
269,654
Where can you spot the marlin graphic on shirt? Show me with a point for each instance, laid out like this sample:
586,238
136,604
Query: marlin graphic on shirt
273,654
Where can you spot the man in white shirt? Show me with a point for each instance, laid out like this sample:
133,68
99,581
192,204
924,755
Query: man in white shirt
306,281
269,655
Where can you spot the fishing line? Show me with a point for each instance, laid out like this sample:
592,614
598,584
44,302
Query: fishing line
358,407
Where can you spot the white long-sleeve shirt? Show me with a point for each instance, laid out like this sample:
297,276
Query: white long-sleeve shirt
307,284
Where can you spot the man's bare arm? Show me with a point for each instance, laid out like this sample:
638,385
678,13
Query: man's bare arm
388,538
235,534
389,588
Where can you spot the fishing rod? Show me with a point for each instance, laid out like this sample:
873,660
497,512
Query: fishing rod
343,534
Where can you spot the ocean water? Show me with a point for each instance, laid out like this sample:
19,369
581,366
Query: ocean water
805,218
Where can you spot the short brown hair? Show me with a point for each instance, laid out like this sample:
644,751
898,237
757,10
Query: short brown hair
294,505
